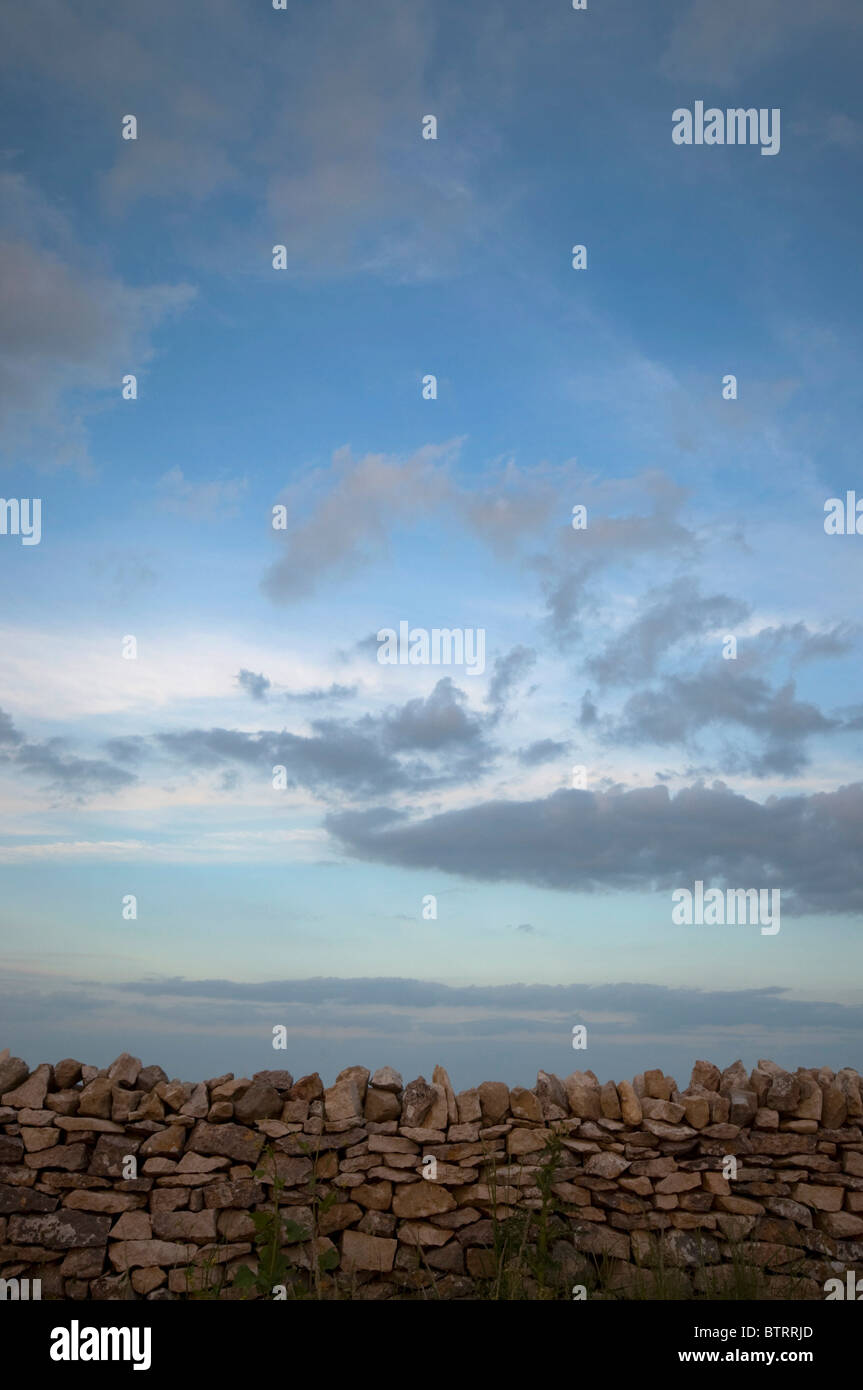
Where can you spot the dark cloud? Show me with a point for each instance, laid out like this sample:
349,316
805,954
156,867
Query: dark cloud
808,846
645,1006
68,331
195,1027
360,757
9,735
57,769
254,685
318,694
347,513
64,772
508,671
798,643
545,750
589,713
130,749
669,616
335,757
722,696
567,571
434,723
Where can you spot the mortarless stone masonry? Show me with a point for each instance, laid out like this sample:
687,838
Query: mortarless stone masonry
638,1183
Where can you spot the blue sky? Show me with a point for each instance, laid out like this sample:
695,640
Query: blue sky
303,388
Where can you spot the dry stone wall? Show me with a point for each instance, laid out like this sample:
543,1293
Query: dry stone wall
121,1183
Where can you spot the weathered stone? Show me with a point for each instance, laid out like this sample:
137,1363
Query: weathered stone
811,1102
582,1093
440,1077
70,1157
18,1199
59,1230
661,1130
423,1233
230,1090
83,1263
417,1102
339,1217
656,1086
309,1088
229,1140
683,1249
422,1199
524,1105
133,1225
280,1080
606,1165
600,1240
292,1171
834,1109
149,1078
113,1202
364,1252
381,1106
551,1094
696,1111
738,1206
391,1144
235,1225
67,1073
242,1192
662,1110
842,1224
493,1100
125,1070
469,1107
630,1106
295,1112
744,1105
525,1141
259,1102
198,1226
126,1254
13,1072
821,1198
35,1140
734,1078
342,1101
144,1281
197,1104
168,1143
85,1124
378,1195
360,1078
124,1104
481,1264
387,1079
30,1094
609,1101
707,1075
679,1182
849,1082
62,1102
784,1093
437,1117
